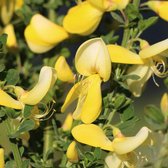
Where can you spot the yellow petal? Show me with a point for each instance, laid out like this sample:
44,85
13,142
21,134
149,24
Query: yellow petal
82,19
136,86
6,11
99,62
160,8
11,40
92,105
7,101
164,104
120,54
48,31
63,70
34,41
72,95
155,49
2,162
92,135
127,144
43,85
72,153
121,4
67,125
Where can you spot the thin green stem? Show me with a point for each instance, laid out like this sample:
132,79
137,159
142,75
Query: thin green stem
14,146
136,3
51,12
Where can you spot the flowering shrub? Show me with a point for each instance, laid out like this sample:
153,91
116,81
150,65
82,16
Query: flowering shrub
69,75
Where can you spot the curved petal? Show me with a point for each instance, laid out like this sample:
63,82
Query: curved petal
164,104
155,49
99,62
136,86
2,161
43,85
48,31
34,41
11,40
127,144
82,19
160,8
72,153
67,125
63,70
93,104
72,95
7,101
92,135
122,55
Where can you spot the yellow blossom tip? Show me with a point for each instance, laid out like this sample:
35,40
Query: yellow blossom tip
67,125
2,162
72,153
164,104
64,73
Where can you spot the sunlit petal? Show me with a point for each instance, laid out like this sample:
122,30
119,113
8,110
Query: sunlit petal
34,41
11,40
99,62
82,19
18,4
7,101
136,86
120,54
2,162
67,125
127,144
155,49
92,135
92,105
43,85
48,31
64,73
160,7
72,153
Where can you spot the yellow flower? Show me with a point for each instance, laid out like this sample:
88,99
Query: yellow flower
160,7
151,59
2,162
82,19
32,97
93,135
72,153
88,106
11,39
67,125
63,70
99,62
42,34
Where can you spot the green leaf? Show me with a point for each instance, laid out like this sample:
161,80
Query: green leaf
3,40
26,125
154,114
117,17
2,67
12,77
146,23
97,153
119,101
27,111
128,113
10,164
11,113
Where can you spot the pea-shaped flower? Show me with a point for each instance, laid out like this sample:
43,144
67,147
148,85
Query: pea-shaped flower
2,162
92,59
